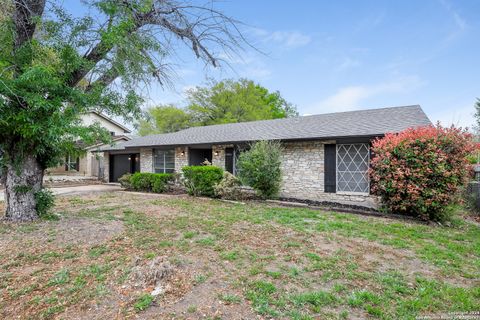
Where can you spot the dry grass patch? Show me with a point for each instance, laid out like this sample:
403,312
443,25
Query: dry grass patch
201,258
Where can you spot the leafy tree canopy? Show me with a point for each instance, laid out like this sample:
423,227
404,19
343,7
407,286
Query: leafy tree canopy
164,119
220,102
236,101
55,66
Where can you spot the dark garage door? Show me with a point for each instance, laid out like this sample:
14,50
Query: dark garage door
123,163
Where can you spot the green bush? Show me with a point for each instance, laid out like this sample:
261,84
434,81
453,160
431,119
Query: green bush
200,180
45,201
125,181
160,182
259,168
141,181
148,182
420,171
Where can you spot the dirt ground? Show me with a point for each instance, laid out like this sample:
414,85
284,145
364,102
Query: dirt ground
130,255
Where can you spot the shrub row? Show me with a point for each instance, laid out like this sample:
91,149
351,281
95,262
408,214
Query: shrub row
148,182
200,180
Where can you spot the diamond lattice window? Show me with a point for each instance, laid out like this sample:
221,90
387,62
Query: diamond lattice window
352,168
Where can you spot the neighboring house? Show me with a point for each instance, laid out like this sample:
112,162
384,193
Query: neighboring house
91,163
326,157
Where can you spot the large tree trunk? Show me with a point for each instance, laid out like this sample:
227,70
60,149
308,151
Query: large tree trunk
22,181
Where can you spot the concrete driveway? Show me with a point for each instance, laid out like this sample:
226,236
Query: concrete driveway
94,188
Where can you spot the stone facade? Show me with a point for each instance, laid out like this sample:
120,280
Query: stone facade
303,174
302,168
146,160
218,154
181,158
106,171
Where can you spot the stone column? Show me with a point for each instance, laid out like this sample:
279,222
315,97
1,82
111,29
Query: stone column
146,160
106,167
181,158
218,156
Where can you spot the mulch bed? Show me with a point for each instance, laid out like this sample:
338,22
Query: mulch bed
341,207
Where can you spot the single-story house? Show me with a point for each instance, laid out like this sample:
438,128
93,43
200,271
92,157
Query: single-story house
326,156
91,164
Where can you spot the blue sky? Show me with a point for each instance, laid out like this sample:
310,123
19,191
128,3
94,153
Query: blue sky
328,56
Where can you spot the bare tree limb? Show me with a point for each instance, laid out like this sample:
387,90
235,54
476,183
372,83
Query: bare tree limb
197,26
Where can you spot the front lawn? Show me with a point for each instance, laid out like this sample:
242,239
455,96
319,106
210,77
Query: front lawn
209,259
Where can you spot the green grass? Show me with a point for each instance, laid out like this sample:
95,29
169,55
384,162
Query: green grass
207,242
230,298
230,256
260,293
189,234
200,278
254,256
97,251
314,300
455,251
143,302
60,278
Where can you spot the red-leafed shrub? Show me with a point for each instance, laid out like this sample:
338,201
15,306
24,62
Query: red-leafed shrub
419,171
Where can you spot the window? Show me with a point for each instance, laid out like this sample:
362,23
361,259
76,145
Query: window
352,168
164,161
229,160
236,156
72,163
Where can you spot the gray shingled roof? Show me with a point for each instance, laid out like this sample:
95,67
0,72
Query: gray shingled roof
372,122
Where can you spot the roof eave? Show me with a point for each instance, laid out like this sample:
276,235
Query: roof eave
367,136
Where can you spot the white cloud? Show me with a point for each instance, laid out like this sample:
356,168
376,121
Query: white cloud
257,72
348,63
460,23
458,116
251,65
351,97
289,39
286,39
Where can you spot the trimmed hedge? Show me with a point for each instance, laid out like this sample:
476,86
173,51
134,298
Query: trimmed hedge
200,180
159,182
145,181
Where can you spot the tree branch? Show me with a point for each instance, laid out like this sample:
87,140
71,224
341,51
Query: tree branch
104,80
199,27
25,12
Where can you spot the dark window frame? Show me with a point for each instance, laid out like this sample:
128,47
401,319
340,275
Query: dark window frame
163,168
